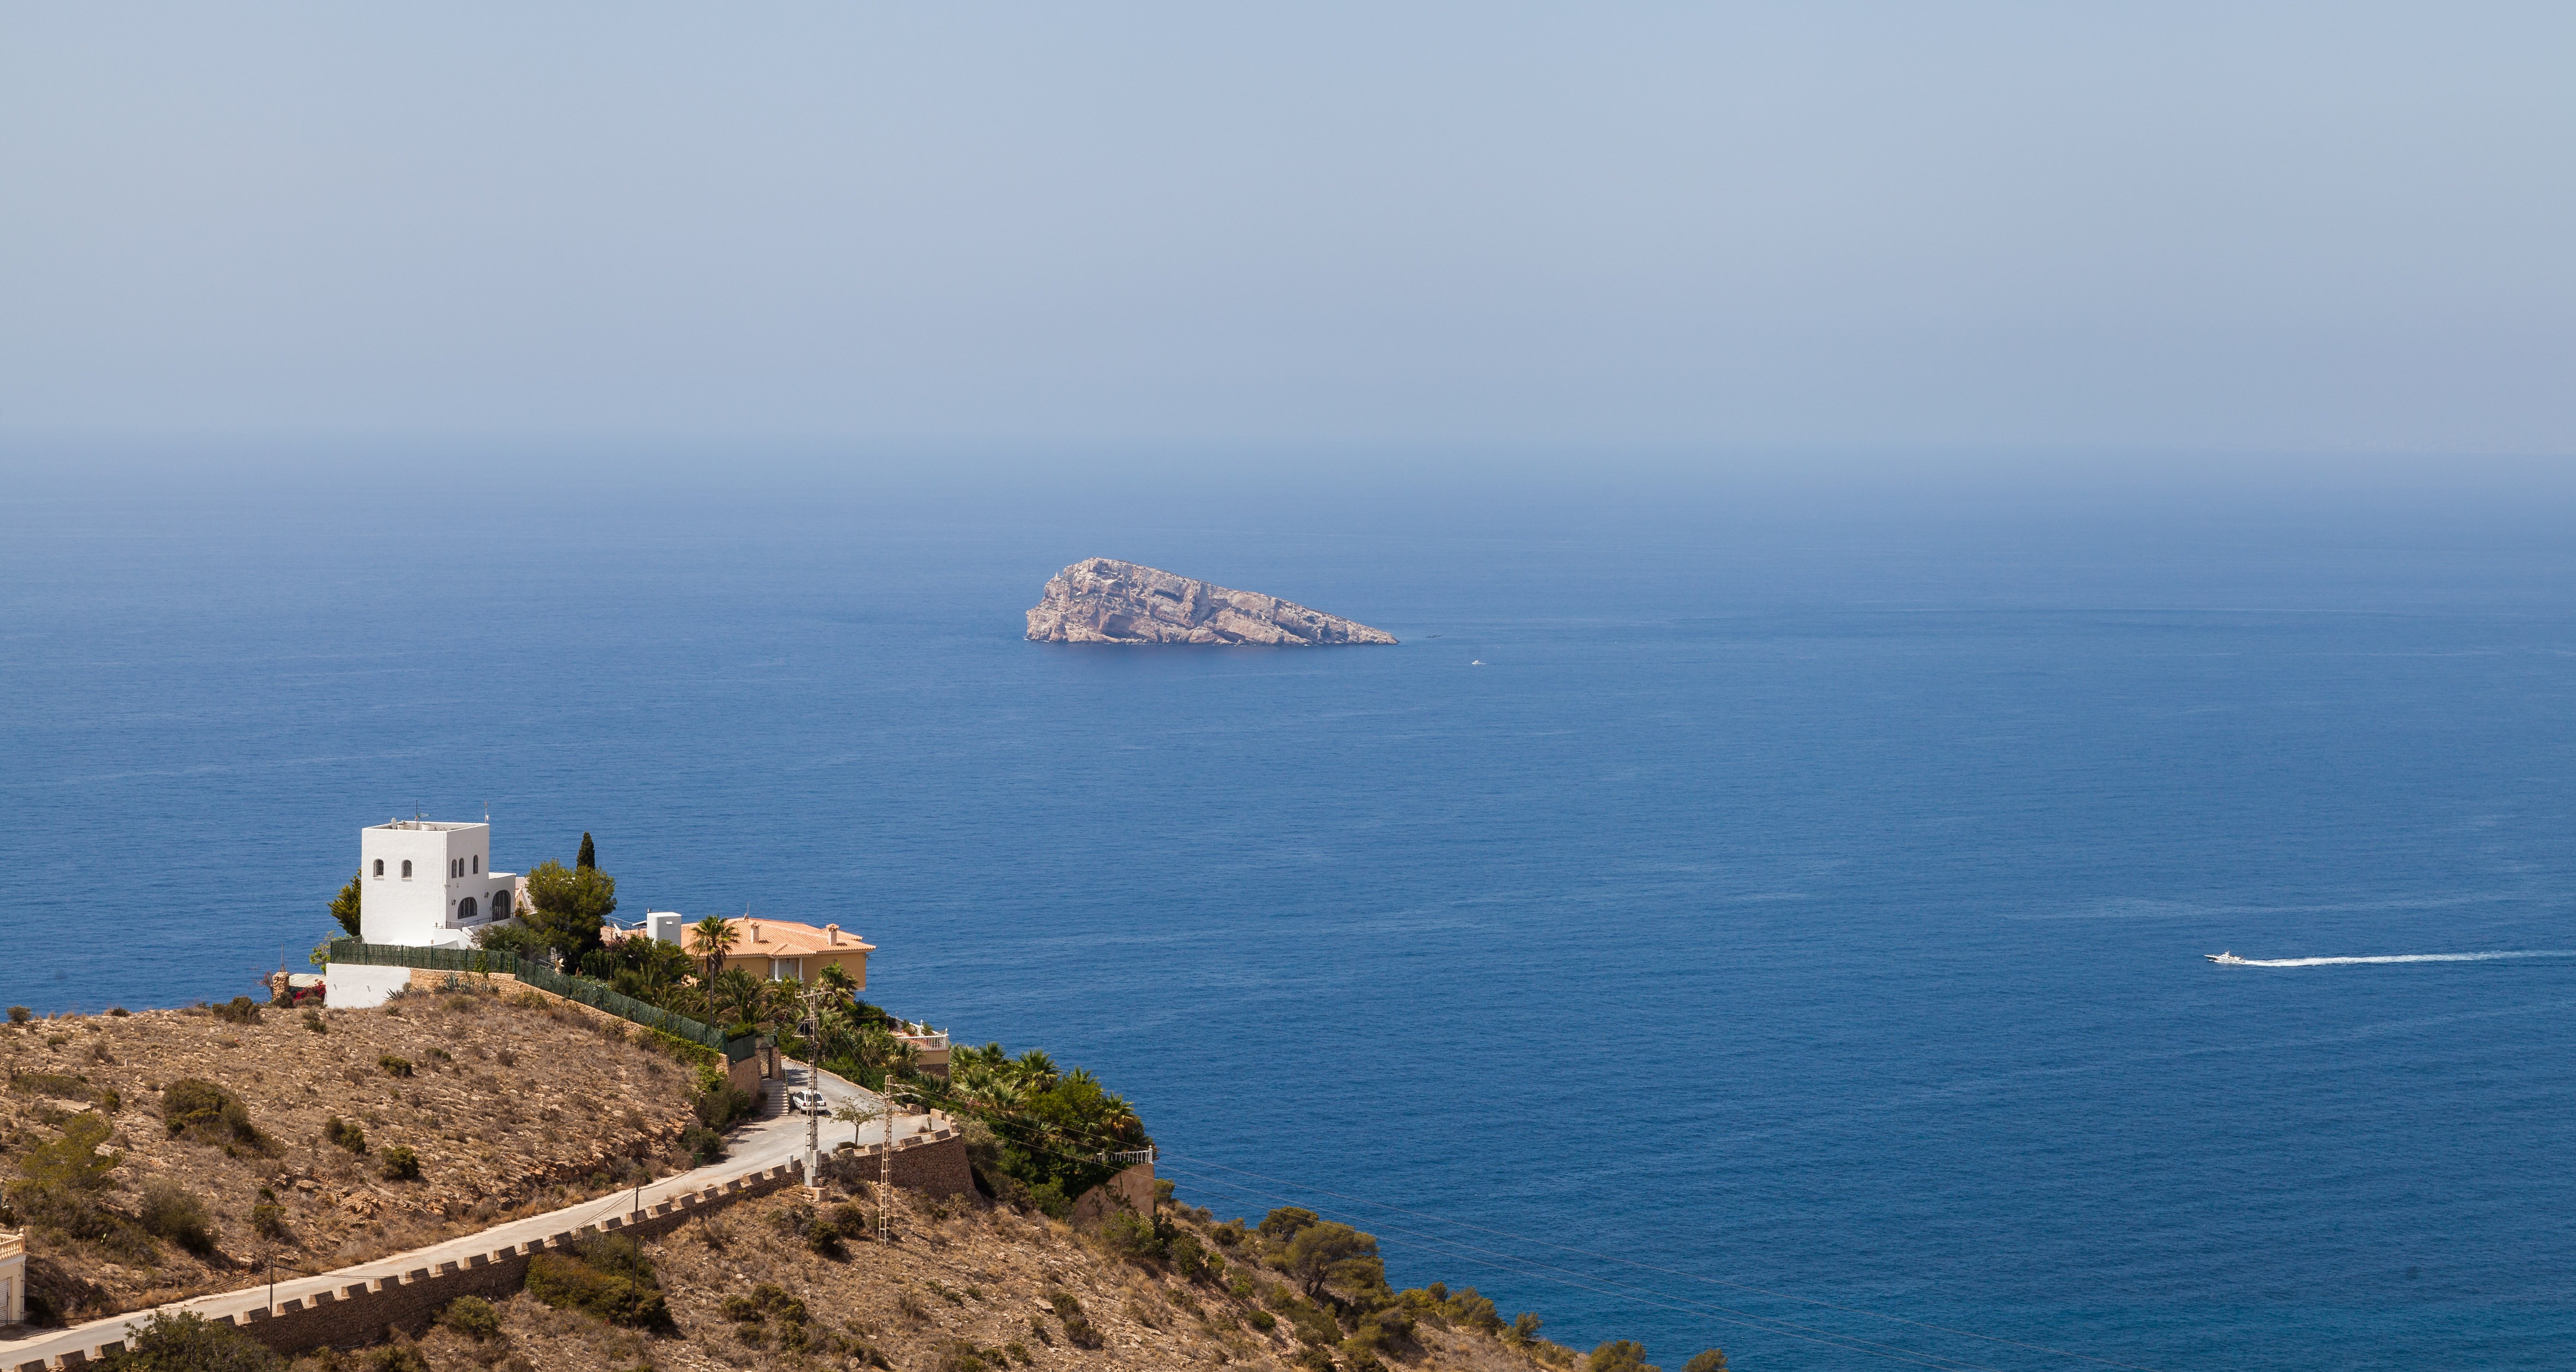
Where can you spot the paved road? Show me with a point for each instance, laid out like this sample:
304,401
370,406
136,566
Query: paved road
773,1137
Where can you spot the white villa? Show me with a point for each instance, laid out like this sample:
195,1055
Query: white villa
422,884
429,884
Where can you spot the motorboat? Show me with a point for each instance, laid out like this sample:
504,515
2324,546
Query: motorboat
2225,959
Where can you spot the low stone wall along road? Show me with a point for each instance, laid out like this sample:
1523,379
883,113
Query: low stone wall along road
355,1304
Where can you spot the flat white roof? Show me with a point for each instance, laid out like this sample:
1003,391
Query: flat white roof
421,824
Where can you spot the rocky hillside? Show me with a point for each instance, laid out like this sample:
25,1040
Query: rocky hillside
325,1138
967,1287
1103,600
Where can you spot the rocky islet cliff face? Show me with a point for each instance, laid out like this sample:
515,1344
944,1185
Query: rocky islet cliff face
1103,600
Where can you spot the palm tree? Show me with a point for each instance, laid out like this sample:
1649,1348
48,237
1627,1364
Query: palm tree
715,939
739,991
836,980
1035,1067
1119,1118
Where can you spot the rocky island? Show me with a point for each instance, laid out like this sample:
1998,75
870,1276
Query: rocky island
1103,600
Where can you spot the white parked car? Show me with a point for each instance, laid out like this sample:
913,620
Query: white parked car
805,1102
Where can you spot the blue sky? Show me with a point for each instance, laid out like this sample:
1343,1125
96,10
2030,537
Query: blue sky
2191,228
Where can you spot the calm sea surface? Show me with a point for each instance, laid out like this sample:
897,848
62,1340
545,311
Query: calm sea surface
1807,893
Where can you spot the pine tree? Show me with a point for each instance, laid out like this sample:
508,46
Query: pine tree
589,855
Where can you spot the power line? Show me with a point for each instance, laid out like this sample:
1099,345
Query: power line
1669,1271
1830,1338
1724,1314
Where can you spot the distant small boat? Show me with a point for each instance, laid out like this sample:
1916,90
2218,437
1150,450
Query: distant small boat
1478,662
2225,959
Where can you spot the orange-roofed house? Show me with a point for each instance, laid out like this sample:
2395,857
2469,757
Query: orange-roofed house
785,950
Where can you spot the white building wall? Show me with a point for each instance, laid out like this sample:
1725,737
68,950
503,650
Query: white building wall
349,986
450,864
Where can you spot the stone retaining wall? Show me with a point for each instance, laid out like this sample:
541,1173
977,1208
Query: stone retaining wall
361,1312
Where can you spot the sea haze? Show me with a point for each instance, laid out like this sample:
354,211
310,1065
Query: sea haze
1808,891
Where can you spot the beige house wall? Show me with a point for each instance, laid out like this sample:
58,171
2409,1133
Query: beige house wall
754,960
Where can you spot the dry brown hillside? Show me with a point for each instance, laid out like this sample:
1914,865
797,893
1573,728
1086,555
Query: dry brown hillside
968,1287
509,1108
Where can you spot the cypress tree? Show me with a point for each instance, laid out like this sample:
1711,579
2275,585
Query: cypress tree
589,855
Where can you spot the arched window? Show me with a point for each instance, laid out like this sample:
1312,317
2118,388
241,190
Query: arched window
478,864
380,867
406,869
465,909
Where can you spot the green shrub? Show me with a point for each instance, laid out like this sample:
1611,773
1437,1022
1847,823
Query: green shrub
1472,1310
1130,1236
52,1085
607,1277
345,1134
206,1113
773,1298
1313,1326
1707,1360
268,1218
1078,1329
238,1010
60,1183
394,1066
1263,1320
396,1357
1383,1328
170,1211
473,1317
1282,1224
117,1012
401,1164
313,1021
19,1014
1619,1355
719,1102
703,1144
1191,1258
189,1342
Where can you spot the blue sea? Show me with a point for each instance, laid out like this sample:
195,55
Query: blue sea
1758,914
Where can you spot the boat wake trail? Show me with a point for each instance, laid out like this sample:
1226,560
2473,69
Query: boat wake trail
2399,957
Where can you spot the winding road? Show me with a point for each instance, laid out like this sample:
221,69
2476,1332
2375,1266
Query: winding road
771,1137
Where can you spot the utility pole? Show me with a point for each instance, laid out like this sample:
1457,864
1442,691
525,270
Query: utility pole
885,1163
813,1083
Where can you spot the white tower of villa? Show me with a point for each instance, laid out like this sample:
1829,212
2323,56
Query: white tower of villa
429,884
